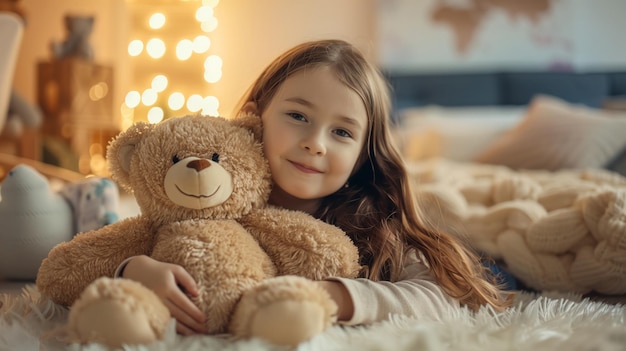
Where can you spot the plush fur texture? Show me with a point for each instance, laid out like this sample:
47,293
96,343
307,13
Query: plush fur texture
229,242
552,322
140,315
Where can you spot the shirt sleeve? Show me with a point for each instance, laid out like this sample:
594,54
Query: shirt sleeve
120,269
415,294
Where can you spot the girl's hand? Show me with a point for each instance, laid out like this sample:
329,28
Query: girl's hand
172,283
339,293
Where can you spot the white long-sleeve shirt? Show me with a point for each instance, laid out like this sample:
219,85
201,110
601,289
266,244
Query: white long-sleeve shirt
415,294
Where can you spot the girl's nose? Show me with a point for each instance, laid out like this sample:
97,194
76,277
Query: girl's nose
314,144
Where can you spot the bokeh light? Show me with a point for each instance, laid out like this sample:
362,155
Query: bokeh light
98,91
176,101
204,13
135,47
194,103
210,105
132,99
149,97
155,115
201,44
184,49
209,25
165,92
159,83
155,48
157,20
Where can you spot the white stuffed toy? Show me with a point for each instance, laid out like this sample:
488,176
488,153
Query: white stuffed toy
34,218
94,202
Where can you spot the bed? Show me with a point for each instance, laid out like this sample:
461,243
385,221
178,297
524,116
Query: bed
527,166
487,104
443,123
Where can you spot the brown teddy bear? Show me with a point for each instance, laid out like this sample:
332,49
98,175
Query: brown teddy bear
202,184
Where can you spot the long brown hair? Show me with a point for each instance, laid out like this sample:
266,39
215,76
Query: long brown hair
378,209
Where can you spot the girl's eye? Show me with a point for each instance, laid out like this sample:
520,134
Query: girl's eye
175,159
343,133
215,157
296,116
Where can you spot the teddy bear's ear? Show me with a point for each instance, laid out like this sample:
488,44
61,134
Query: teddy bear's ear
252,122
122,148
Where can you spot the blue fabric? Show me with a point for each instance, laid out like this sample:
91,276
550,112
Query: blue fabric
504,278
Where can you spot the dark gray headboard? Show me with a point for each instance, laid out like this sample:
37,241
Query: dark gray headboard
503,88
507,88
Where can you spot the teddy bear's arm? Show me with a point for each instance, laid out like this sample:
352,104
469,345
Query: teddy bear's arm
301,245
71,266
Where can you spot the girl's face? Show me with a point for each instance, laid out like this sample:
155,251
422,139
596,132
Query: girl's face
314,129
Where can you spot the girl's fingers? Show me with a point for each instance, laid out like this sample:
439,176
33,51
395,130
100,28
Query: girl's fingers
183,330
185,318
188,307
186,281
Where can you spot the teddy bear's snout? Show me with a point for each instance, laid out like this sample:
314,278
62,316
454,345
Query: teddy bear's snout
199,164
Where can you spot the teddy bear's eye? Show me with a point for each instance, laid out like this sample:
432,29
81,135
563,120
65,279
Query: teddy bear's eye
175,159
215,157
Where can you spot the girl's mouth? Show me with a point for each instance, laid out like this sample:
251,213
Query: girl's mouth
304,168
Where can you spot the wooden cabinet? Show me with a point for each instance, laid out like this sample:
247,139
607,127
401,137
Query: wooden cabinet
76,97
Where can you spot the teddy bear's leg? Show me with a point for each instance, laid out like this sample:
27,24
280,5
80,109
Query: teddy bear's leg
115,312
285,310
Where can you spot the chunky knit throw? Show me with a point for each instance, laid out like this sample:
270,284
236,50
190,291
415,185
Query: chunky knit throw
563,230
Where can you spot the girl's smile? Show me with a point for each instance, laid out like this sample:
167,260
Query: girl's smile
305,168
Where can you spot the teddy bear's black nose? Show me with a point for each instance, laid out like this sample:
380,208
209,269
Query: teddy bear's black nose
199,165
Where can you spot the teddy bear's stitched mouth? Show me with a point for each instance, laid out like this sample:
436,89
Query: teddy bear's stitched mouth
199,196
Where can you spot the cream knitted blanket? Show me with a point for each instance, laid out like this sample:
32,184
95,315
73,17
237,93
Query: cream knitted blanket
563,230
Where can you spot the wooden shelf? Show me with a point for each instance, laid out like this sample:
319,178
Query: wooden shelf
7,162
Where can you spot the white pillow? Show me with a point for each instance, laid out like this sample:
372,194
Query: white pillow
455,133
558,135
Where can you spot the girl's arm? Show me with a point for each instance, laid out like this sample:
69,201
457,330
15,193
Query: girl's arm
416,294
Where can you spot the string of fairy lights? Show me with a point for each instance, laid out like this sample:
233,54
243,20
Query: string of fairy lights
158,100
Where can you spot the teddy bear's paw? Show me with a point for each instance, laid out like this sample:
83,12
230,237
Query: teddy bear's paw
112,323
284,311
117,312
288,322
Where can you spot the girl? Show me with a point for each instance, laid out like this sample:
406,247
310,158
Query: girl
325,113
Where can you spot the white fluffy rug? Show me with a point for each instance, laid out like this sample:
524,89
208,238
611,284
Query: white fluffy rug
535,323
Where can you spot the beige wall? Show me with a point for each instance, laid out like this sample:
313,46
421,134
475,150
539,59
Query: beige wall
249,35
252,33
